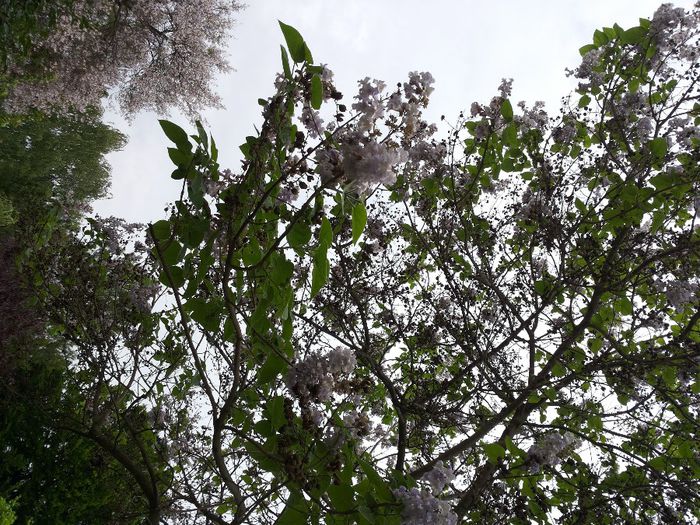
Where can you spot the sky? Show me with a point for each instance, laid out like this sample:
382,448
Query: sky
467,45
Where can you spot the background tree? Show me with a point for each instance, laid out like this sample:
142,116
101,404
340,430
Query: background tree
68,55
56,160
73,442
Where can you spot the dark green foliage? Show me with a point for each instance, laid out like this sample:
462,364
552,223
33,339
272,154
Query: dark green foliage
60,160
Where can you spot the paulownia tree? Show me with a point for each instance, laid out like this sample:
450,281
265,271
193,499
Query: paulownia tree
153,54
366,324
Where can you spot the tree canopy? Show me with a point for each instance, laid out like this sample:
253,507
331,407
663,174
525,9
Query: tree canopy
66,55
367,323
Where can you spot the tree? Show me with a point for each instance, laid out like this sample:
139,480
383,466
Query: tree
66,457
367,324
56,160
156,55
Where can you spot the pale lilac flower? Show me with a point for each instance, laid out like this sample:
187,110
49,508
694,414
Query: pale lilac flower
312,121
551,449
341,361
680,293
422,508
369,103
439,477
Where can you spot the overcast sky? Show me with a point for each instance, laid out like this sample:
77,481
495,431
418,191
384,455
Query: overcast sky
468,46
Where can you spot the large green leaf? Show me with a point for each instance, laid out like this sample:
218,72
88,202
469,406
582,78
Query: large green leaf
175,133
359,220
316,92
298,49
319,274
325,234
507,110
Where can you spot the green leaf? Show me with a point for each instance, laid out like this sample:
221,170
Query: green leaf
507,110
195,190
171,253
179,157
658,147
558,370
541,287
325,234
662,181
342,497
295,43
285,63
299,235
193,231
206,313
367,513
624,306
600,38
319,274
251,253
264,428
214,151
161,230
584,101
316,92
510,135
610,32
179,173
595,344
175,133
583,51
282,271
296,512
272,368
203,139
634,35
494,451
359,220
669,376
659,463
176,274
275,409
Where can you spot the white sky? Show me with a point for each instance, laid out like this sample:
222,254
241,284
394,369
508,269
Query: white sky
468,46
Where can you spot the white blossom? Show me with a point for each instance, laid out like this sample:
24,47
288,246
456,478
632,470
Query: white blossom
645,127
532,118
506,87
564,134
369,103
341,361
680,293
439,477
551,449
315,377
420,507
419,87
361,162
312,121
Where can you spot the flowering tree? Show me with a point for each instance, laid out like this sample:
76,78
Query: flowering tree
154,54
367,324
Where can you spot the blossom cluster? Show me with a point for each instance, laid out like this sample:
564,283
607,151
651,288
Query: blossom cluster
439,477
680,293
314,378
357,157
361,162
551,449
420,507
